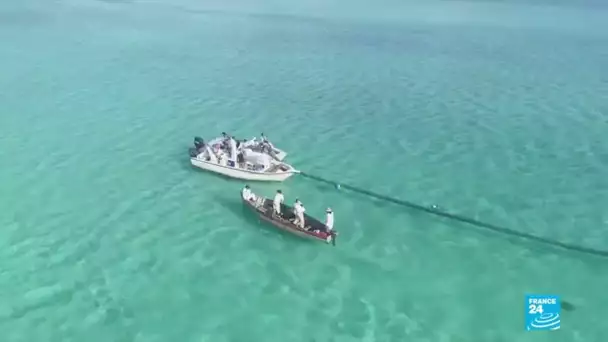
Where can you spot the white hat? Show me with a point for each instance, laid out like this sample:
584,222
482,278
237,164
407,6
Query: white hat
328,210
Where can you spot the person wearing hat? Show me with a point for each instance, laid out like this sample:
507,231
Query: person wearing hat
233,151
267,146
225,143
247,194
329,220
276,203
298,209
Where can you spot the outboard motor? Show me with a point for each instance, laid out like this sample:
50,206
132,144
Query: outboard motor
198,143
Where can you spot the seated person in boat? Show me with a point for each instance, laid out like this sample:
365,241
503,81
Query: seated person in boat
266,148
298,210
276,203
225,141
265,140
265,144
248,194
222,158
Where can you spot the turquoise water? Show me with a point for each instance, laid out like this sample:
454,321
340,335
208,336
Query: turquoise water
492,110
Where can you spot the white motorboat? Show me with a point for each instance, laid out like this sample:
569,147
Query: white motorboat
246,165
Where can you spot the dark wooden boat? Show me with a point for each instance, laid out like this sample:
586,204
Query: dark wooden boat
314,228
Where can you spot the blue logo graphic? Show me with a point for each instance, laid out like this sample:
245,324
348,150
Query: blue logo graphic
542,312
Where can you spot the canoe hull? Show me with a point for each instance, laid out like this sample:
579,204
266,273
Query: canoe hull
263,208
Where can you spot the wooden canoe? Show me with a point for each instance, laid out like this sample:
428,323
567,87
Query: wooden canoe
263,208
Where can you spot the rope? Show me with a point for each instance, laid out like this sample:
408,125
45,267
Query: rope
471,221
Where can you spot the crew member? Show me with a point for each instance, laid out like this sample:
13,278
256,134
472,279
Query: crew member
278,200
233,150
240,158
247,194
221,158
329,220
299,210
266,145
225,143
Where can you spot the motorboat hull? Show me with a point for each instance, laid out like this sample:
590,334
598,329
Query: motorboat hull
284,171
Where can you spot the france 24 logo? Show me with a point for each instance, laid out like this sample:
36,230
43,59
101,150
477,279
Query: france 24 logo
542,312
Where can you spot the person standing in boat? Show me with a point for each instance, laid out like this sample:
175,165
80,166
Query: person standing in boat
240,159
240,153
276,204
329,220
298,210
233,151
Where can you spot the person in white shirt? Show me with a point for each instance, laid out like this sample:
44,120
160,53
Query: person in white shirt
299,210
296,205
278,200
221,158
329,220
247,194
233,151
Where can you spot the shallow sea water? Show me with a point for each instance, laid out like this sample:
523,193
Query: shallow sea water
492,110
